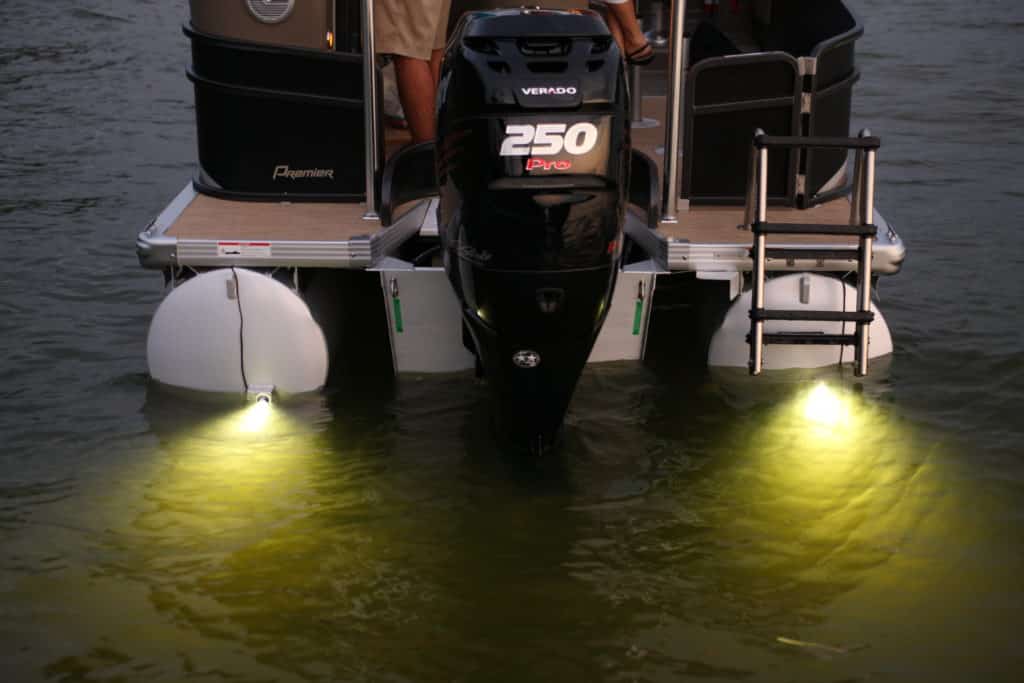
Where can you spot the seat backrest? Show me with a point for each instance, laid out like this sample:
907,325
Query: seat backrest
727,99
799,26
708,41
729,95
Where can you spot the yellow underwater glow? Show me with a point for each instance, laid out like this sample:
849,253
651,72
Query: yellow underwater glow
230,464
255,418
823,430
826,407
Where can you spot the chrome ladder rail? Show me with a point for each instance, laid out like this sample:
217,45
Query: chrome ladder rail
370,106
861,224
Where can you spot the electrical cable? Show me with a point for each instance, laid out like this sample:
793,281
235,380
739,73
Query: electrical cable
419,259
241,329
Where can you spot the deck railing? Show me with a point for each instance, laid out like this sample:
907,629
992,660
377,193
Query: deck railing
673,112
371,120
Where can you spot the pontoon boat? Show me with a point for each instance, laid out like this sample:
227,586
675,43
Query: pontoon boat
558,206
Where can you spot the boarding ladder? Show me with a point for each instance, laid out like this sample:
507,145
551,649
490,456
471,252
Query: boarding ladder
861,225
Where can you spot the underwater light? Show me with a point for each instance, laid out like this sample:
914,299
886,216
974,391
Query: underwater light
255,417
263,393
824,406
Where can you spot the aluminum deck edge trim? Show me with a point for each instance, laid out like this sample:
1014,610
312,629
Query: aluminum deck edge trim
157,250
683,255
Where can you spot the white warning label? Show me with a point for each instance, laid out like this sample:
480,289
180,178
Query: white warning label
244,249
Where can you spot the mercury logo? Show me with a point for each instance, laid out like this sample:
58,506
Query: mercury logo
568,90
284,171
526,359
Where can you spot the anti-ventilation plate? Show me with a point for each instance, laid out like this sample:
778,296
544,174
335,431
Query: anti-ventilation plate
271,11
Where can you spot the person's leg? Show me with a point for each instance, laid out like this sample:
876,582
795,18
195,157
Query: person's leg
435,65
416,90
632,38
411,32
425,90
615,28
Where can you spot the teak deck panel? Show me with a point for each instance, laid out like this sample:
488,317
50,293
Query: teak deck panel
208,218
719,224
222,219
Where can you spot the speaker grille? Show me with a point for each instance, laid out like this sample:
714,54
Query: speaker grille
271,11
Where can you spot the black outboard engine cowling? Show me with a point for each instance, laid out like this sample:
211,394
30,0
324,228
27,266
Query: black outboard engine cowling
532,164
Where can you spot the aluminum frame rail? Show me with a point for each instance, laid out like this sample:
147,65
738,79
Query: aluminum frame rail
370,119
673,113
861,224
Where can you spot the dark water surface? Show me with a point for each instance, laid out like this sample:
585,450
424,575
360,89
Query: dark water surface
694,528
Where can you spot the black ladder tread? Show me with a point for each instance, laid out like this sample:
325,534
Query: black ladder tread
763,140
865,230
809,339
814,253
817,316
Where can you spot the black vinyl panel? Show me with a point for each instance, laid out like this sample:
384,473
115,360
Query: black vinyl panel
276,122
799,26
720,81
644,188
720,154
728,98
348,23
708,41
260,145
408,175
831,118
834,64
277,68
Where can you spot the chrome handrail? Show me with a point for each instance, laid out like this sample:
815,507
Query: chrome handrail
757,293
748,211
370,118
863,186
867,207
673,112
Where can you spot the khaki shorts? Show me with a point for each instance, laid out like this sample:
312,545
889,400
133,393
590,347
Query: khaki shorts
410,28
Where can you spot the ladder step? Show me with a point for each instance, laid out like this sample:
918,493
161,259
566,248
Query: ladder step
811,339
817,316
866,230
812,254
762,140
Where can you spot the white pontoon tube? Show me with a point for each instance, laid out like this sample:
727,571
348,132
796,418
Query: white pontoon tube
233,330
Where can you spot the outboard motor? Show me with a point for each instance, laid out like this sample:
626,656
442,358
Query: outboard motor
532,164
